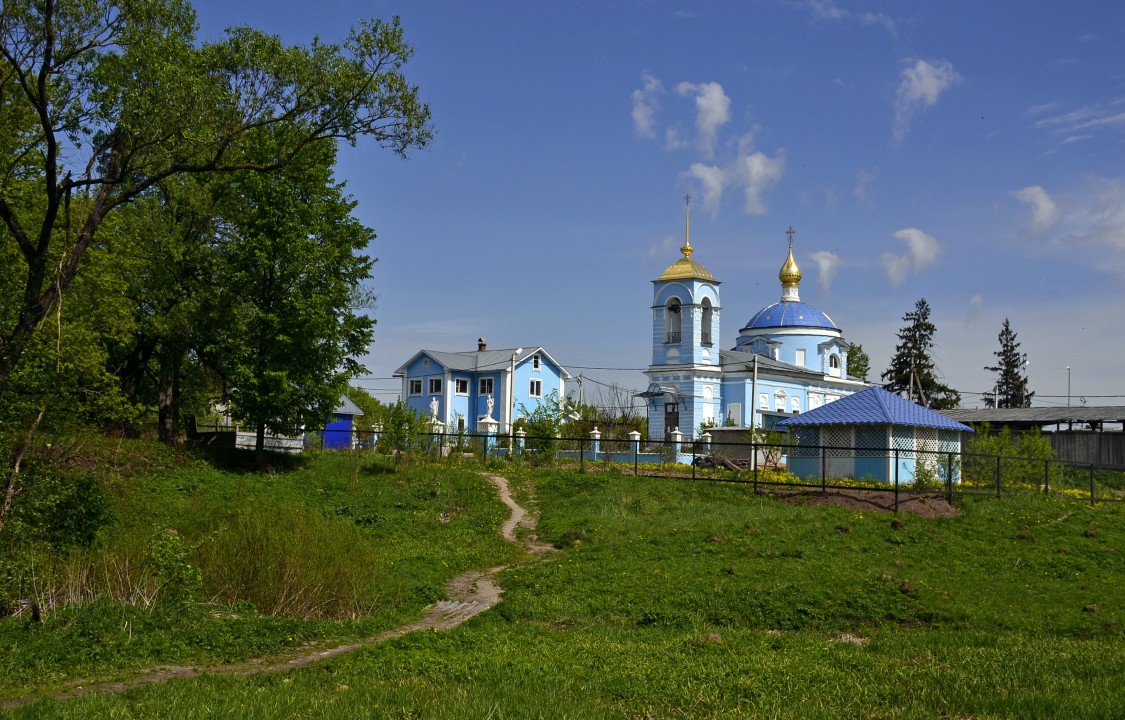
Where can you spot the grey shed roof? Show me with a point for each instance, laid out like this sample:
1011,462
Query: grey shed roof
1036,416
874,406
347,407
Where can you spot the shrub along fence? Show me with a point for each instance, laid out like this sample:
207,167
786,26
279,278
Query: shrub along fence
770,464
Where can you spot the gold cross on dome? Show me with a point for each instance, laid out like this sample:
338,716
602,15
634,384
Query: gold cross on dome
790,232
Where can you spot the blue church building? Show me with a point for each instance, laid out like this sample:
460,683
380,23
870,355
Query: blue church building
462,389
789,357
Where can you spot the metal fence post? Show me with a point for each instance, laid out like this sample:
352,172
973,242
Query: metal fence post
581,454
997,476
896,479
949,477
823,469
754,462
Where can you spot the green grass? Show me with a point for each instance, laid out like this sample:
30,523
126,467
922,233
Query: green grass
364,549
673,598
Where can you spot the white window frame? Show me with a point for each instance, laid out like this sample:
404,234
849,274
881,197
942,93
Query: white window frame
415,386
535,362
484,386
800,359
458,383
435,386
535,388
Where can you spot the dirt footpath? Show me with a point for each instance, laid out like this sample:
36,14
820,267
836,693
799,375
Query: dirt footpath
470,594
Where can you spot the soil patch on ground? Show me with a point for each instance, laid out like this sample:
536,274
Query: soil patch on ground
921,504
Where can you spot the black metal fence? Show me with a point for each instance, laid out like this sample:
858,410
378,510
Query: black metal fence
908,471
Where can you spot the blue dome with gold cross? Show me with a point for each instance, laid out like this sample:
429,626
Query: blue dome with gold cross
790,312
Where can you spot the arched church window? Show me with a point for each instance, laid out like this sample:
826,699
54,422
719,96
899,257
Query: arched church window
708,315
672,321
834,362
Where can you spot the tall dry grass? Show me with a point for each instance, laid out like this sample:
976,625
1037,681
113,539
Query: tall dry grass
288,560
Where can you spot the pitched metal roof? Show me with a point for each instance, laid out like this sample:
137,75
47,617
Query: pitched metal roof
481,360
874,406
730,359
347,407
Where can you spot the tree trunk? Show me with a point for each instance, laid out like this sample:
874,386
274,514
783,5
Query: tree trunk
13,488
169,397
167,412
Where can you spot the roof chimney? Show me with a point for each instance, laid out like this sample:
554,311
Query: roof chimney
481,345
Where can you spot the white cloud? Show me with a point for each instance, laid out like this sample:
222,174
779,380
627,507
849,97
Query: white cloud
976,301
644,107
827,263
1080,122
863,180
1044,211
756,172
922,84
673,141
896,267
664,247
922,250
712,112
1100,223
1040,109
829,10
713,181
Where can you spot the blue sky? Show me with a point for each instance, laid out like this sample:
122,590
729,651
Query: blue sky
967,152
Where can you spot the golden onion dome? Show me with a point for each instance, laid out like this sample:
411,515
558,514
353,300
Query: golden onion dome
790,273
685,268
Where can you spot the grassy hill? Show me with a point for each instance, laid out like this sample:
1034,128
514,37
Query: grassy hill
668,598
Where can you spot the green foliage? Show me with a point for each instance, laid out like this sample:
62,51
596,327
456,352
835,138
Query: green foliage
543,425
373,409
123,95
771,444
404,431
179,580
859,363
912,373
1023,460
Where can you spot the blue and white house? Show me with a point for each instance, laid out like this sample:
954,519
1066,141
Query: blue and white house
874,435
461,390
788,358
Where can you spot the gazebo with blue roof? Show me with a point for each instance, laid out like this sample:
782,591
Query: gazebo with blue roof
862,435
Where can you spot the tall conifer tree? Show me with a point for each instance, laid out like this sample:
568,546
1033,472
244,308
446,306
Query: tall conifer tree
912,373
1011,373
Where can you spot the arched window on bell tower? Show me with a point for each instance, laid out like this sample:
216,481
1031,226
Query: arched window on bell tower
673,321
707,325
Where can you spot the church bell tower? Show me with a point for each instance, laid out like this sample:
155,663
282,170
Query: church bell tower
684,375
